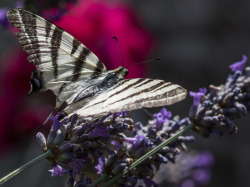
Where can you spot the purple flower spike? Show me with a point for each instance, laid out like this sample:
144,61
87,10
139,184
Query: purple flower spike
98,167
99,132
162,117
124,113
116,144
134,140
57,171
56,124
239,66
197,97
203,90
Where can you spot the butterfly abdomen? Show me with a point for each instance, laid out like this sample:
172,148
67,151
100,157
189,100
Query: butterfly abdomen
86,93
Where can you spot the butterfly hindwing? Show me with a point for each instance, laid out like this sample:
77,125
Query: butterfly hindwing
131,94
60,59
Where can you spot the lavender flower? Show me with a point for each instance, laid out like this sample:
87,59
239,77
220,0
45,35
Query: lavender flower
215,111
144,139
99,166
162,117
239,66
112,143
57,171
78,143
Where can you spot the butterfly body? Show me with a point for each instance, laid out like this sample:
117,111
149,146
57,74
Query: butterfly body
78,78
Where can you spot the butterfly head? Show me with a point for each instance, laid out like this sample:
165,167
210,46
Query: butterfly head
121,72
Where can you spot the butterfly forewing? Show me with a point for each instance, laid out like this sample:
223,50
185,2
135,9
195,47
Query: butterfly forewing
60,58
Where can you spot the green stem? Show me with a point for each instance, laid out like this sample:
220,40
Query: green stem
25,166
140,160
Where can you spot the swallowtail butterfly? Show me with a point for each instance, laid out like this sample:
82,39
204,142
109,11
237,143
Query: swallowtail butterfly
78,78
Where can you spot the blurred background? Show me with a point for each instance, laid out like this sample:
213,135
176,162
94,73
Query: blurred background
196,40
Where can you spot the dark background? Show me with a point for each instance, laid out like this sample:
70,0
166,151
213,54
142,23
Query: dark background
196,40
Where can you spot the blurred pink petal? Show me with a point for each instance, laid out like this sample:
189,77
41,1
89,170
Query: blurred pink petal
95,22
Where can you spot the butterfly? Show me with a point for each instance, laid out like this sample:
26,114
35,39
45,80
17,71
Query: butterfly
80,81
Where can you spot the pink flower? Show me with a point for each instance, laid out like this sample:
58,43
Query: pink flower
19,114
95,22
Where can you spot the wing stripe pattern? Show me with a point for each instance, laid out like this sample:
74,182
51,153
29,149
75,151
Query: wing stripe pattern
99,66
137,81
127,87
29,21
144,83
75,45
47,29
128,96
141,91
56,42
163,87
79,64
60,59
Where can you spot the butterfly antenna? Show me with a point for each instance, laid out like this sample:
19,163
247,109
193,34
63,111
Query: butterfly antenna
152,60
116,39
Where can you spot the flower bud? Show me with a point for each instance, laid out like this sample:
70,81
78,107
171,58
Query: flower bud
51,138
67,147
119,168
228,97
68,127
128,161
78,131
66,157
59,138
85,145
41,140
140,152
240,107
111,159
161,158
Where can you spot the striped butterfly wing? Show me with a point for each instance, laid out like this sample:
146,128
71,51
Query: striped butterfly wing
131,94
60,59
